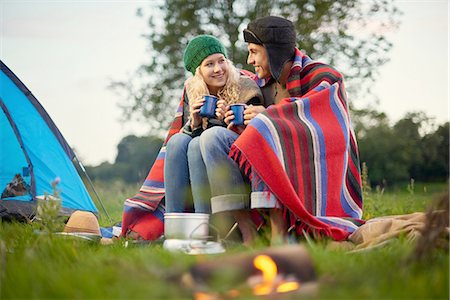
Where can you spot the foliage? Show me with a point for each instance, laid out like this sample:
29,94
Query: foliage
435,155
408,149
367,118
34,266
327,30
135,156
48,209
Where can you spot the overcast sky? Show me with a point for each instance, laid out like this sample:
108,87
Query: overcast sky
67,52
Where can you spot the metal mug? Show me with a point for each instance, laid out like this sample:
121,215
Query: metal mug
208,108
238,112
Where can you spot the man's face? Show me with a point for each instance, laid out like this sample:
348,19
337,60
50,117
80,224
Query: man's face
257,57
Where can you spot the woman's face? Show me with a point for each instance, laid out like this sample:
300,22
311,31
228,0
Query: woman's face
214,70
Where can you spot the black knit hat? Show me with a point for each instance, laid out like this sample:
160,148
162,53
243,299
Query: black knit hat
278,37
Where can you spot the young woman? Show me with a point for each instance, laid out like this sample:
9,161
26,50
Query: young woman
185,176
178,181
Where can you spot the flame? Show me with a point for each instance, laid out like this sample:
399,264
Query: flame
288,287
270,282
269,272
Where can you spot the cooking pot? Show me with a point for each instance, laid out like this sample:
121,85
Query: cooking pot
193,247
186,226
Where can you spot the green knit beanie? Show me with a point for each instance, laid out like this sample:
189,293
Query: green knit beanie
200,48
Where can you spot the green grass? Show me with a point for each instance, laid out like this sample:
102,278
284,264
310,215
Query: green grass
385,273
112,195
36,266
409,198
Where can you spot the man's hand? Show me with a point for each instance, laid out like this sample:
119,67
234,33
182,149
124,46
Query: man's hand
251,111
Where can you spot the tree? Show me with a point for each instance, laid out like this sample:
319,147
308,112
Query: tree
327,30
378,148
365,119
408,139
135,156
408,149
435,148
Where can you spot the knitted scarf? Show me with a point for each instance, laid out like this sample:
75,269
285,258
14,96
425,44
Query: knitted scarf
304,150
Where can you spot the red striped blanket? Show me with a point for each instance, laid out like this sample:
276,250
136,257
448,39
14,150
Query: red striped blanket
304,150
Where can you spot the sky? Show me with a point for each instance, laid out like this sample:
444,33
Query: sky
68,52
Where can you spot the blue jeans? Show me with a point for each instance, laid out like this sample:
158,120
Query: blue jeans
230,189
185,177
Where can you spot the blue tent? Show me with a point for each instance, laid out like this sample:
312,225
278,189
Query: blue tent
32,146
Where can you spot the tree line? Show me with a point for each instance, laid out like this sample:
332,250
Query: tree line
135,156
413,147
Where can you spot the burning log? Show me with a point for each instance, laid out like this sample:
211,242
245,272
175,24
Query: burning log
275,271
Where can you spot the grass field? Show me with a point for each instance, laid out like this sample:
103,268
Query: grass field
45,266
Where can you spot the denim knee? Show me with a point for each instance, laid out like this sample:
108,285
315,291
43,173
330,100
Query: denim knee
218,138
178,142
176,174
193,150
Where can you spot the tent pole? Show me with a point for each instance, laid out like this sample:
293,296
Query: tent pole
92,186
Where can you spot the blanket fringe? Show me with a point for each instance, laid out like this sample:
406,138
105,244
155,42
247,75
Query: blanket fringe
300,227
241,160
244,165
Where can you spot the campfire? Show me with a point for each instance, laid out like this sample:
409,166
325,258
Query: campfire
272,273
271,281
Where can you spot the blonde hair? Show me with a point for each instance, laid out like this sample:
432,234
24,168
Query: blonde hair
196,86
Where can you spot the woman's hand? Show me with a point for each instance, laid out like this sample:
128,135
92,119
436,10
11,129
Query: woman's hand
194,109
229,116
221,109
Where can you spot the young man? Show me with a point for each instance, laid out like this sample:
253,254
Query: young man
300,153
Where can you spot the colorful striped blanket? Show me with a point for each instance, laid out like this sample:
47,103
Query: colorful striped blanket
304,150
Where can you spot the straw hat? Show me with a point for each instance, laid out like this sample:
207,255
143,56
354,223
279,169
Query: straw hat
82,222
